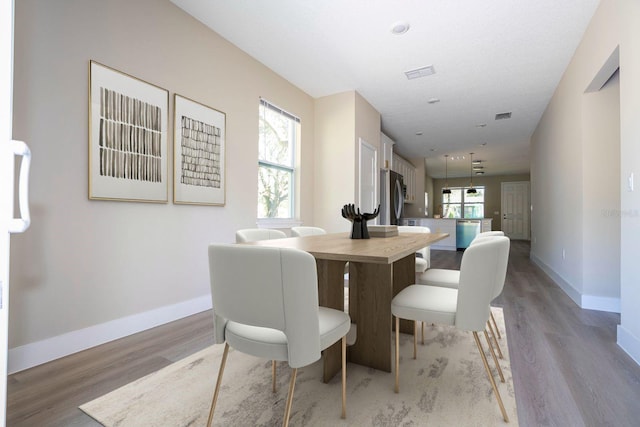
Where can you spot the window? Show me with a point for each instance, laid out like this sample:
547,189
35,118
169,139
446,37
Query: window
460,204
278,135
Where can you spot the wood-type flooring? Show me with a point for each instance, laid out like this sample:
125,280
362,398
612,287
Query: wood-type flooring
567,367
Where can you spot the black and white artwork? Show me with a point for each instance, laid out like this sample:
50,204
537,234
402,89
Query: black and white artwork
128,137
199,153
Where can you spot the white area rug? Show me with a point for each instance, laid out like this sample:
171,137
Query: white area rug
446,386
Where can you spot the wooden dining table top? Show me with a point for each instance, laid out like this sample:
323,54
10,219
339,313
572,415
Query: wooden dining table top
339,246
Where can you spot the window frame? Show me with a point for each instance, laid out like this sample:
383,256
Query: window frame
292,168
462,203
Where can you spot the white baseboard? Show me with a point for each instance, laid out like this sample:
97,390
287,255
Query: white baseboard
588,302
594,302
562,284
40,352
629,343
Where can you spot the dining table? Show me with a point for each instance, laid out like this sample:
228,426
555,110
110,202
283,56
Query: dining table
379,268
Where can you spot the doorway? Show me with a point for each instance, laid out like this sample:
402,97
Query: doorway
515,209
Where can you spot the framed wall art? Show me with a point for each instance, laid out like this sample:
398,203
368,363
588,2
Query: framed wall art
198,153
127,137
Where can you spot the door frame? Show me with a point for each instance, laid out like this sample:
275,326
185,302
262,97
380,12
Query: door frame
375,171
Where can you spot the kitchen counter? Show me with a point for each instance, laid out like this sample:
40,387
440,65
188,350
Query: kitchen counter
446,225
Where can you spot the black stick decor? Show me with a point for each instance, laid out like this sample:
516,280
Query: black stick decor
359,220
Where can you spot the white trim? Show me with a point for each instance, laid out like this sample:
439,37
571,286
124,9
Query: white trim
562,284
629,343
587,302
600,303
49,349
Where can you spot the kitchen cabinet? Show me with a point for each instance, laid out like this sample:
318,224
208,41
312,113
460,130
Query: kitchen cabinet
386,160
408,172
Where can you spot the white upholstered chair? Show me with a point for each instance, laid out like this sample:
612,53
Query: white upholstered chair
451,278
254,234
303,231
482,274
271,310
423,261
306,231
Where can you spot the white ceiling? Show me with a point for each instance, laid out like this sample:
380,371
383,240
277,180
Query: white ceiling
490,57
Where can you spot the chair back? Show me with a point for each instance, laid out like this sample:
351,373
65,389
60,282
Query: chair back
482,274
306,231
255,234
425,252
484,234
279,291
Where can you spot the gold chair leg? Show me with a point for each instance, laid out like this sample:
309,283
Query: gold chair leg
493,383
273,376
493,354
218,382
397,386
493,319
422,333
344,377
287,408
415,339
495,341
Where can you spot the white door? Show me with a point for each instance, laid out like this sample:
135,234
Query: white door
368,187
515,209
6,199
8,150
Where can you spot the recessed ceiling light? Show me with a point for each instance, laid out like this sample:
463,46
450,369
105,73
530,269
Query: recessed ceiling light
479,173
419,133
433,149
477,162
420,72
477,168
483,144
399,28
481,125
433,100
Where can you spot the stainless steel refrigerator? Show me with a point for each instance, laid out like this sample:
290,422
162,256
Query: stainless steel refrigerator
391,197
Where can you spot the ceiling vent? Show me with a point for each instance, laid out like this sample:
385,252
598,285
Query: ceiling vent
420,72
502,116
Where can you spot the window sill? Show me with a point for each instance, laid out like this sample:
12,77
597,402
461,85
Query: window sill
278,223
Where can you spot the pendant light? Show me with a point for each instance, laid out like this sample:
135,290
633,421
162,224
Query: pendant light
446,189
471,190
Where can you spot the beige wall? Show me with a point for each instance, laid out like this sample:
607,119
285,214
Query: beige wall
562,153
341,120
601,204
335,159
82,262
492,195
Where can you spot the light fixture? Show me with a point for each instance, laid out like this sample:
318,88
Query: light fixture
433,101
471,190
399,28
446,189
